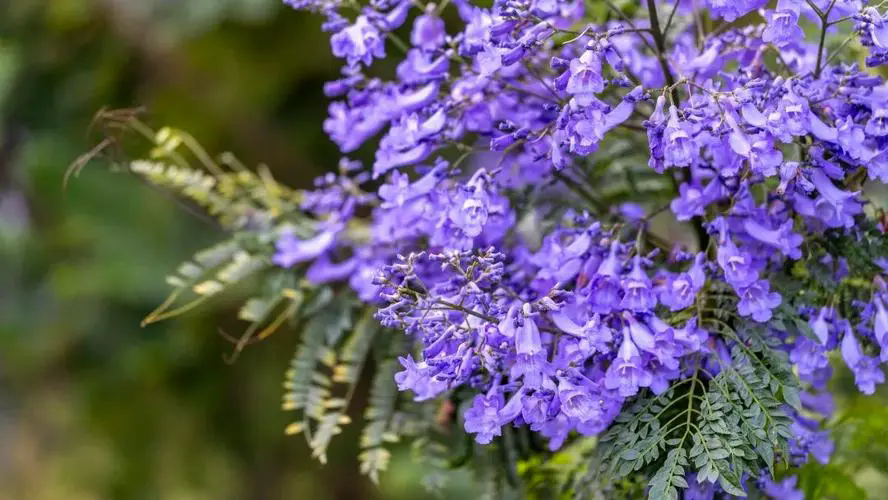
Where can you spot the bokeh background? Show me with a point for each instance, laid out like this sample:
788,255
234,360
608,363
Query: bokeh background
91,405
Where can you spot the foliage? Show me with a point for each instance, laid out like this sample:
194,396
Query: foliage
93,406
704,378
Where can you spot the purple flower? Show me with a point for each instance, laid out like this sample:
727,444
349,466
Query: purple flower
791,119
783,27
783,490
781,238
593,335
880,327
413,374
626,373
322,270
482,418
520,326
291,250
764,158
731,10
527,337
808,356
698,490
470,211
489,60
757,300
851,137
585,78
656,126
679,149
578,402
835,207
638,294
680,290
873,31
877,125
819,402
512,408
535,407
557,429
421,67
486,123
408,141
428,30
820,326
808,440
417,377
789,174
737,265
693,199
562,254
348,130
691,336
867,372
360,42
603,288
661,344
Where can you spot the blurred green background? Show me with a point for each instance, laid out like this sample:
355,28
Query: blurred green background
92,405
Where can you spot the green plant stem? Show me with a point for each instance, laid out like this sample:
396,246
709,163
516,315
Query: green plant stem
824,23
819,67
660,44
671,17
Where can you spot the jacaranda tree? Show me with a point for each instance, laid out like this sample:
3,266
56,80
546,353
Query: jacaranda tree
603,248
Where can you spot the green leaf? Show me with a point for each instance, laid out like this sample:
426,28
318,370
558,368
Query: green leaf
729,482
791,396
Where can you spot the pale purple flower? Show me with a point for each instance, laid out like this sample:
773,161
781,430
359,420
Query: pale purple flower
737,265
680,290
360,42
880,327
603,289
781,238
783,27
808,356
782,490
291,250
482,418
877,125
679,148
730,10
417,377
661,344
627,373
578,402
757,300
428,30
866,369
585,78
638,294
835,207
820,326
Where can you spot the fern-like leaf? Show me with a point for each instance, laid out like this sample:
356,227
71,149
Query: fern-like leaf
719,426
307,382
380,419
208,273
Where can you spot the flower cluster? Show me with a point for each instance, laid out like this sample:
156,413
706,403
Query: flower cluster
507,134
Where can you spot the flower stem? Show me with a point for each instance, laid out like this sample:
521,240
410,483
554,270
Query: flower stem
824,22
660,44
